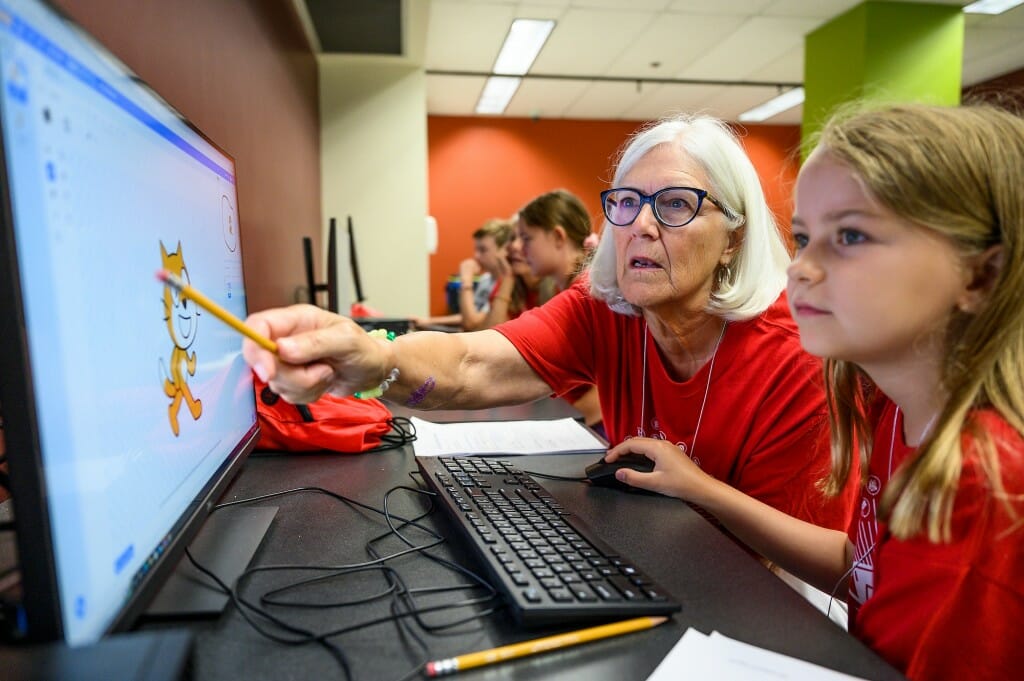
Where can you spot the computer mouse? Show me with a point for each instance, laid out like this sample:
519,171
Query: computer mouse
602,473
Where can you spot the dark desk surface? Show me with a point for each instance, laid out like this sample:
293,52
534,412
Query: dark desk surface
719,585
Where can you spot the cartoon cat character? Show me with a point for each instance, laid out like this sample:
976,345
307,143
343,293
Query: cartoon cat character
182,318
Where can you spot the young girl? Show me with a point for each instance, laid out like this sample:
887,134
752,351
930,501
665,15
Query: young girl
909,227
554,228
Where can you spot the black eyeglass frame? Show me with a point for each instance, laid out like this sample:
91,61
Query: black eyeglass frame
651,200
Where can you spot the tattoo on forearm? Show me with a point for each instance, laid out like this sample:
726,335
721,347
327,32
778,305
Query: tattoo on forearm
420,393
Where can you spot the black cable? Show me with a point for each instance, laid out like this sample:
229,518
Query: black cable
403,432
334,650
550,476
404,609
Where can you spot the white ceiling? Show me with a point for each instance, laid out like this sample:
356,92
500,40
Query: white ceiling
751,41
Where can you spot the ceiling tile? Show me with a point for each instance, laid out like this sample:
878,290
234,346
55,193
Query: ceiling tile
734,7
545,98
788,68
818,9
586,41
480,28
453,95
732,101
757,41
673,41
642,5
605,101
665,100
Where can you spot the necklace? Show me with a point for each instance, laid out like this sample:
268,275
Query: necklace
892,439
707,388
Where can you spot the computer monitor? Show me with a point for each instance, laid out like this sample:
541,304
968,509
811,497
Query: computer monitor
126,409
331,286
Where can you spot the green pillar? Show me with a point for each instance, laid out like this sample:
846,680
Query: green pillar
883,51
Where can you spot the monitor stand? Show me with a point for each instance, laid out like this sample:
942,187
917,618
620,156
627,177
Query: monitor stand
224,546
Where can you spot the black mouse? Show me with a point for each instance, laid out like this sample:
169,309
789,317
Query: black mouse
602,473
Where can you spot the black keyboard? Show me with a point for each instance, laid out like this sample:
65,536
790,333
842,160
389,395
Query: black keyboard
550,566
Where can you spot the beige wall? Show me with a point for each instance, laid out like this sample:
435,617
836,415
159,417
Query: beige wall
373,115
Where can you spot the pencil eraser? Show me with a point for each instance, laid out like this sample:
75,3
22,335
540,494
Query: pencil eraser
161,275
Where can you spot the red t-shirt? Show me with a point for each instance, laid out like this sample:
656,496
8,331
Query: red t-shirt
530,300
764,428
949,610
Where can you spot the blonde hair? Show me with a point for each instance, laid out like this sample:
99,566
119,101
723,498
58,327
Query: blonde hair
500,229
958,172
757,275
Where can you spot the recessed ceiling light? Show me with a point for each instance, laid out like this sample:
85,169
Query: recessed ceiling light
523,43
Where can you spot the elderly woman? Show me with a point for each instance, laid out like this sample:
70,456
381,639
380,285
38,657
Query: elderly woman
680,322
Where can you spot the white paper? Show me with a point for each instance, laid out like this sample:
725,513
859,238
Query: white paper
719,658
558,436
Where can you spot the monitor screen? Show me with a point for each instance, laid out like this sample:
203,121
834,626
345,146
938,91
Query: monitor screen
126,408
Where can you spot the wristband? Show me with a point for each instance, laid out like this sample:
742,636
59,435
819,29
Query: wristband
389,379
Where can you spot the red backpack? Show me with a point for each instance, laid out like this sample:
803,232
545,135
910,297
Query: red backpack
339,424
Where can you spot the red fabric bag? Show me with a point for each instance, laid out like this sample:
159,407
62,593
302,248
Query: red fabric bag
340,424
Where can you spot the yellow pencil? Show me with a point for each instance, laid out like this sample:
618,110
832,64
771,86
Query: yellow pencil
215,309
452,665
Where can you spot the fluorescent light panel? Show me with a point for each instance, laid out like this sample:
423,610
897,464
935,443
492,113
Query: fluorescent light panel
523,43
991,6
787,100
498,91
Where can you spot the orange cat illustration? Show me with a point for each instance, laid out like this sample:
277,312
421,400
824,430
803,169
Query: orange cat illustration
182,318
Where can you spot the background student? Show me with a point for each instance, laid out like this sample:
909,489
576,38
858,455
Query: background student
516,288
478,276
910,228
553,229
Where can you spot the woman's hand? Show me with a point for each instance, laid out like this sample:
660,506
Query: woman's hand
317,352
675,474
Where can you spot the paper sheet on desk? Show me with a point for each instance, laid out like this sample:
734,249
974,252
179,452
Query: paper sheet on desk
557,436
716,657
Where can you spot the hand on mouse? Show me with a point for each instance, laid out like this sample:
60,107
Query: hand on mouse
674,474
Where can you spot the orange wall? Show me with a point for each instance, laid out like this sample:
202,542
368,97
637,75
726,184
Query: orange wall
481,168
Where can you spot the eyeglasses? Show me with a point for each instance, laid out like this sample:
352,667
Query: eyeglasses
672,206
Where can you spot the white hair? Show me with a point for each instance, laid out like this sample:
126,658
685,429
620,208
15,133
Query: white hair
757,275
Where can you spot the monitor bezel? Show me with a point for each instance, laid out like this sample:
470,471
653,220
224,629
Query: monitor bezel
40,591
